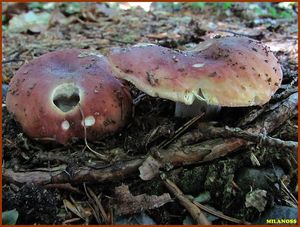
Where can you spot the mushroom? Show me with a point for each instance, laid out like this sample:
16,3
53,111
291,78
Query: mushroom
229,71
68,93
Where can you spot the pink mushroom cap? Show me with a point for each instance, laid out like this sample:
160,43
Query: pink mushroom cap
59,94
230,71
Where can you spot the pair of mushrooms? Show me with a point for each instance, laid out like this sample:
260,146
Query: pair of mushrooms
73,93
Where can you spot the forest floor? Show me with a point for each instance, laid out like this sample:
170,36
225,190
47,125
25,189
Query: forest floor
240,178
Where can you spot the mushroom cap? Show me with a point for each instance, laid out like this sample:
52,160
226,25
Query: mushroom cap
50,95
230,71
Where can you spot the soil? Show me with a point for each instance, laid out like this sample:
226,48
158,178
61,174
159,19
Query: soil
100,28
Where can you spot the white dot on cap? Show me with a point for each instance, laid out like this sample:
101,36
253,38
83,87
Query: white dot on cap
65,125
198,65
88,121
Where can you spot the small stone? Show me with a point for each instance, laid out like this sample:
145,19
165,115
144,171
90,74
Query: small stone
5,88
258,177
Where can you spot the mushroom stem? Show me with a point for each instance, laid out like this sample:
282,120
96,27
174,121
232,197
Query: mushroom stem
182,110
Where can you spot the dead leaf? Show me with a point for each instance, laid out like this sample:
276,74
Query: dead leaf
84,212
257,199
129,204
72,208
34,22
149,169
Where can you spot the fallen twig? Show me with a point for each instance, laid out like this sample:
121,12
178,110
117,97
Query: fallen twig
194,211
287,92
13,60
277,116
289,194
257,36
181,130
228,132
96,206
260,138
66,186
219,214
113,172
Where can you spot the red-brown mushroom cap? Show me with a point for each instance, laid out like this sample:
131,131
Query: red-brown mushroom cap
231,71
50,95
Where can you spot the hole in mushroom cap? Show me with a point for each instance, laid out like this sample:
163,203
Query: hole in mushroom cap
66,96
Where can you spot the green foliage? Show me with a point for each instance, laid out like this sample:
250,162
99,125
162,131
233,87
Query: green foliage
10,217
35,5
72,7
4,19
261,9
4,23
202,5
279,13
227,5
258,10
197,5
41,5
272,11
285,15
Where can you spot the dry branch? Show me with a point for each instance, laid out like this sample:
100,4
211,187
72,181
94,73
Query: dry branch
207,130
194,211
219,214
116,171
